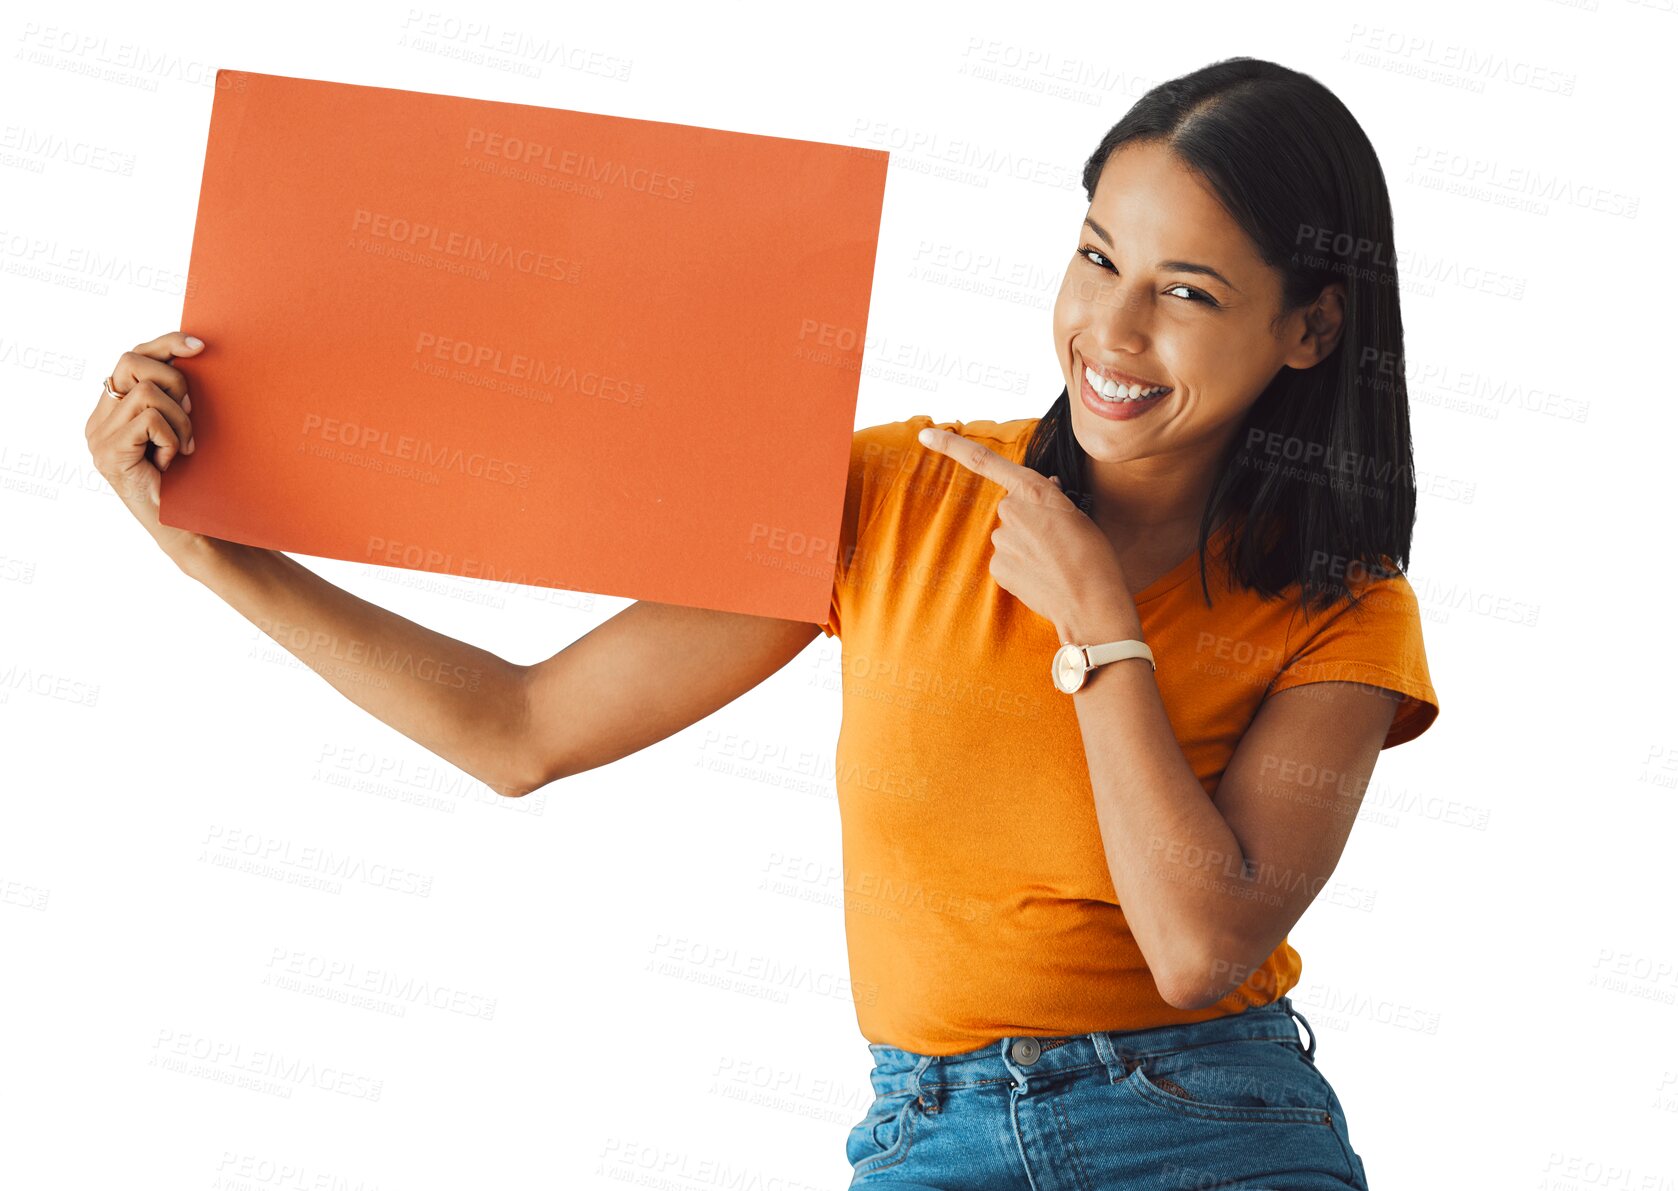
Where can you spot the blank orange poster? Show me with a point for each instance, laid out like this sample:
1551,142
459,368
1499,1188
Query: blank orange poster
526,344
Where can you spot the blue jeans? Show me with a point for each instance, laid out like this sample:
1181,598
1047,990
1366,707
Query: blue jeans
1231,1103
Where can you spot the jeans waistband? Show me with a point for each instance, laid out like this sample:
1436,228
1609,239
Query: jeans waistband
1024,1057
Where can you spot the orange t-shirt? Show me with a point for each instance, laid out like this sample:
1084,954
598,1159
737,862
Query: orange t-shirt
978,902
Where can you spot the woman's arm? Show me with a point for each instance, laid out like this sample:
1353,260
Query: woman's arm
463,703
650,671
1197,877
1210,886
646,673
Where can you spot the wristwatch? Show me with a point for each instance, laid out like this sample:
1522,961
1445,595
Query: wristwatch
1073,662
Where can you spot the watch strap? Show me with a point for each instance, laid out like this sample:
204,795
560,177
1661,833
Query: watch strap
1114,651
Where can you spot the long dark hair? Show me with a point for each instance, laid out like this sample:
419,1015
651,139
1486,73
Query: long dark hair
1319,482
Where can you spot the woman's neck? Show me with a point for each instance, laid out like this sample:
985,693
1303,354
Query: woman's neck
1153,503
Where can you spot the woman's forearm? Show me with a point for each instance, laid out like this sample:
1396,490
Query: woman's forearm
1166,842
462,703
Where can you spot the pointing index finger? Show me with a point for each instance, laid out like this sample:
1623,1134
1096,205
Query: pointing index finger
977,457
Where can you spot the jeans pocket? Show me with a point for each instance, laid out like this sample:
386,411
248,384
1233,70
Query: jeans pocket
881,1138
1248,1079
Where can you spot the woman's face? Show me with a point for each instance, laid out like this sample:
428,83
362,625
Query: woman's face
1166,287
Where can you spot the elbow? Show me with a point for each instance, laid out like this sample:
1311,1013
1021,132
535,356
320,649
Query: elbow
1183,992
521,774
1189,997
508,789
1201,978
529,780
522,769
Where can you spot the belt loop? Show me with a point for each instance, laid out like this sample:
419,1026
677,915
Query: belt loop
929,1103
1109,1056
1311,1050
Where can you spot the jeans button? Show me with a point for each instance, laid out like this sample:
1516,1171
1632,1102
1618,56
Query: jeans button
1025,1051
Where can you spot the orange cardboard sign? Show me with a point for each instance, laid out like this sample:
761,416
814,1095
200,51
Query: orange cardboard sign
526,344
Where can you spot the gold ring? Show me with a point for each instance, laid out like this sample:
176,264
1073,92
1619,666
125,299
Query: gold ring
110,392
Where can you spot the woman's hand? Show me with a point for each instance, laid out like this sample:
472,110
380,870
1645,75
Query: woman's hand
1048,555
152,411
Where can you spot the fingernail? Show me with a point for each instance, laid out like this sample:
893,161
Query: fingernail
186,403
194,342
924,436
189,443
157,497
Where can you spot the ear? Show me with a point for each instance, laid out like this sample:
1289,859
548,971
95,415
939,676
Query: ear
1323,322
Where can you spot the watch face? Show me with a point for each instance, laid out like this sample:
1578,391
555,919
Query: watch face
1068,668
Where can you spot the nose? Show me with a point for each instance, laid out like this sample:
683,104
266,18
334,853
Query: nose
1117,315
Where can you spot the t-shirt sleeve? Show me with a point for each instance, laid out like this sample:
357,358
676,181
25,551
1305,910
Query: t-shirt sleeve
878,453
1377,642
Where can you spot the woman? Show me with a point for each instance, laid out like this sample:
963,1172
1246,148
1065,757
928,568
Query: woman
1234,274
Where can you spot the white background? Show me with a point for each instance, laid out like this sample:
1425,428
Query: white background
662,939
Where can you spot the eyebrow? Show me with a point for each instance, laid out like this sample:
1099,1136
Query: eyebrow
1170,266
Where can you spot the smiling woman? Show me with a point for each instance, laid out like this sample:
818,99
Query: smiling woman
1239,232
1087,780
1067,909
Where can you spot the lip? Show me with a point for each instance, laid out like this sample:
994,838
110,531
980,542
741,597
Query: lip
1115,411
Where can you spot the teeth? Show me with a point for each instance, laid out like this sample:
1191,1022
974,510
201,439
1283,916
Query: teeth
1113,391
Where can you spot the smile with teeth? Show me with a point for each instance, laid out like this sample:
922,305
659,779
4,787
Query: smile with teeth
1115,392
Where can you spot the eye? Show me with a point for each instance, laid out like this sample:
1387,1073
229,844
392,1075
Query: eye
1096,258
1194,294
